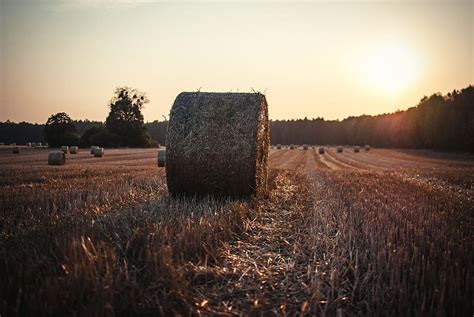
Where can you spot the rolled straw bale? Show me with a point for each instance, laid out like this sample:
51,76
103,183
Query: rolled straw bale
278,146
28,144
33,143
93,148
56,158
305,146
98,152
217,143
356,149
16,150
2,143
65,148
339,149
39,144
73,149
161,157
321,150
292,147
367,147
13,144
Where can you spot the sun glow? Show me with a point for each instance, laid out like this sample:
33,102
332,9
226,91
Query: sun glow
390,68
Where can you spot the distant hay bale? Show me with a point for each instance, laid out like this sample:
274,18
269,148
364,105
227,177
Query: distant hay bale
13,144
93,148
56,158
292,147
305,146
321,150
39,144
2,143
161,157
217,143
16,150
339,149
65,148
367,147
33,144
98,152
278,146
73,149
356,149
28,144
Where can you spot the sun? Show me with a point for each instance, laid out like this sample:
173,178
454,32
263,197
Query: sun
390,68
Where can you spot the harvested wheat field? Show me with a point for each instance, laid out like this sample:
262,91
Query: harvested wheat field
382,232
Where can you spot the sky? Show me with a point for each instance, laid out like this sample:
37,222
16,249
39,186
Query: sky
311,59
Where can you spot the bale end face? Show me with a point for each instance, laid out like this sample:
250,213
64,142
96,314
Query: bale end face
56,158
305,146
98,152
321,150
161,158
73,150
217,144
65,148
356,149
339,149
92,148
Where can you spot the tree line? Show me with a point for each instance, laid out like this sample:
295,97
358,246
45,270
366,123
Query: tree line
442,122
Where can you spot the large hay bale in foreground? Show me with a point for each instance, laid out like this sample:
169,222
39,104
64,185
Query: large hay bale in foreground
217,143
16,150
56,158
65,148
339,149
73,149
161,157
321,150
98,152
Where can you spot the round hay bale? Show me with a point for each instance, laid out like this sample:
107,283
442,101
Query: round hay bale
339,149
367,147
16,150
65,148
278,146
292,147
56,158
161,157
39,144
356,149
33,143
217,143
92,148
73,149
28,144
98,152
2,144
13,144
321,150
305,146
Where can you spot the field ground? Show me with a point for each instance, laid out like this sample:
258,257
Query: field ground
383,232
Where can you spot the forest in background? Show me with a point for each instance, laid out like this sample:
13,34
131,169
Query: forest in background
440,122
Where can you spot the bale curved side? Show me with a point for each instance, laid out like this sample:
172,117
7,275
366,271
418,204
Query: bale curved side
161,157
56,158
217,143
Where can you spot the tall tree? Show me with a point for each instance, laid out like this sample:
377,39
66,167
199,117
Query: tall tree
125,119
60,130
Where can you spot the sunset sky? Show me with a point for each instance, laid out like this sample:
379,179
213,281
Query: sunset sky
312,59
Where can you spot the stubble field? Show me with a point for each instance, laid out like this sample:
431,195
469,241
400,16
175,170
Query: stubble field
383,232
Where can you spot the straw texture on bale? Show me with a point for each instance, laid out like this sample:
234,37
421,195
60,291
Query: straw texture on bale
56,158
305,146
65,148
217,143
98,152
16,150
73,149
356,149
339,149
161,157
367,147
321,150
93,148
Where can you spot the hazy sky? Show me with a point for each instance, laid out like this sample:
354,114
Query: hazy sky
329,59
